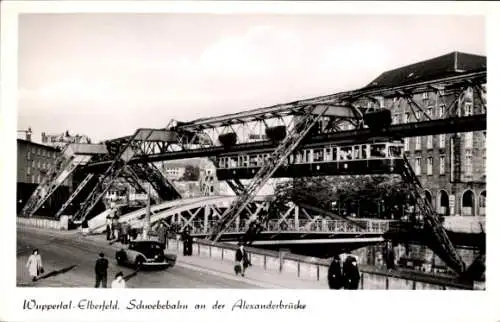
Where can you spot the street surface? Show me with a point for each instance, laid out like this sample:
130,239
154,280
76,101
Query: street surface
69,262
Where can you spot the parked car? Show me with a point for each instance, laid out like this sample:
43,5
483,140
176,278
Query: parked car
145,253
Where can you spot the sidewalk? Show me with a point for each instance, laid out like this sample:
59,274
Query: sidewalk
254,275
222,268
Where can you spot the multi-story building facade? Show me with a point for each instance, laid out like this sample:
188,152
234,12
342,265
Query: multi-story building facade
33,162
451,167
174,172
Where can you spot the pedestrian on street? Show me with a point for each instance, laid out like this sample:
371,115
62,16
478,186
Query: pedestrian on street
119,281
34,265
187,242
162,235
335,274
101,271
85,227
241,260
109,230
124,227
351,273
116,228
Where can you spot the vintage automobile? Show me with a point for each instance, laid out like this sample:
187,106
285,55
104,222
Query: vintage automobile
145,253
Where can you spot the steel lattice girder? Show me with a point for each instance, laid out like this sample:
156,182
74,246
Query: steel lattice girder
340,102
450,125
159,151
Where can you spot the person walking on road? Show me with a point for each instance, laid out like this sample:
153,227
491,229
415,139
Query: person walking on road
242,259
115,225
34,265
125,227
335,274
162,235
109,229
85,227
119,281
101,271
187,242
351,273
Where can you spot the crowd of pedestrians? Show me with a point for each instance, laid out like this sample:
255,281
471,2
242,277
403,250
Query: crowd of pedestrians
119,231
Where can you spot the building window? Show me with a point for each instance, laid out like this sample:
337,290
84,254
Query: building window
429,166
430,112
441,110
429,141
468,140
33,179
468,162
425,95
39,164
418,143
28,170
468,109
442,141
442,160
418,169
407,144
28,156
33,164
406,118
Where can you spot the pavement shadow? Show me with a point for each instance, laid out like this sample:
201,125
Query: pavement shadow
131,275
56,272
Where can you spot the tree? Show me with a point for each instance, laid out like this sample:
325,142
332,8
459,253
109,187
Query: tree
191,173
365,196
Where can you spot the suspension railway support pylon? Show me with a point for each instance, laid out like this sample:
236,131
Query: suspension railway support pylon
440,242
124,151
72,157
276,159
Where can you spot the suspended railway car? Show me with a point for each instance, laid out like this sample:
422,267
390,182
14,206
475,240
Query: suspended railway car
368,158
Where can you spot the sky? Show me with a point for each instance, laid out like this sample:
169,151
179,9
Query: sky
105,75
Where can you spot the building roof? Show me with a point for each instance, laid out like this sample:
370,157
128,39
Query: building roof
47,147
452,64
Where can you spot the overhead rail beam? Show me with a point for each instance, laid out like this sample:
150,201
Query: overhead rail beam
442,126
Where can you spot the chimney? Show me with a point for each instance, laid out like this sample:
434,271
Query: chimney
28,134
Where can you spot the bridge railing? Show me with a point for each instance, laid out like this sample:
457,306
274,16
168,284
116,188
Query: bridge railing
303,225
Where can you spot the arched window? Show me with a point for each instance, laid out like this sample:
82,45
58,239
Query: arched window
482,203
444,203
468,203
